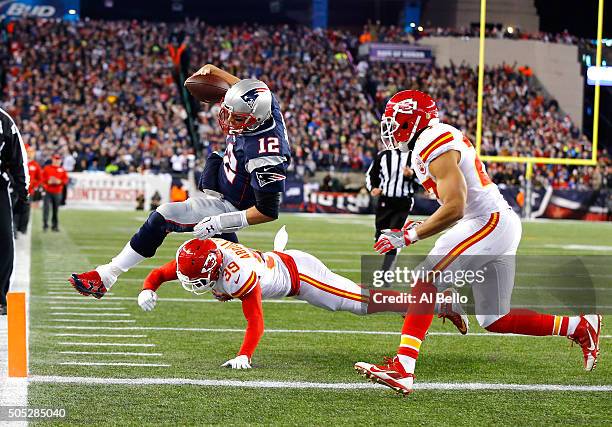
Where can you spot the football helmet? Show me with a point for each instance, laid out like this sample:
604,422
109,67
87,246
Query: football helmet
246,106
406,113
198,265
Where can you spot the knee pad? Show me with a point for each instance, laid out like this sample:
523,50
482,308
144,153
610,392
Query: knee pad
151,235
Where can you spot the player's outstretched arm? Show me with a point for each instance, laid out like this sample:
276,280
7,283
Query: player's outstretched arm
211,69
253,312
148,296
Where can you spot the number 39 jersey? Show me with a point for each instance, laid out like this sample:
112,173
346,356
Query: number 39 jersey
255,160
483,196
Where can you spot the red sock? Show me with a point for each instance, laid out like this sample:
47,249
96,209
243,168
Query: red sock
418,319
528,322
384,300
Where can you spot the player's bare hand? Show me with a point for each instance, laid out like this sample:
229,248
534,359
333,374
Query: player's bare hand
238,362
206,69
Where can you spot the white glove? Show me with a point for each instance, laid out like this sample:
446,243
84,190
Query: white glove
147,299
238,362
208,227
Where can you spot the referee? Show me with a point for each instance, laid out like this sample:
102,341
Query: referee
13,178
390,178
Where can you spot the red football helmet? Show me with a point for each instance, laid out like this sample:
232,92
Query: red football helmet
406,113
198,265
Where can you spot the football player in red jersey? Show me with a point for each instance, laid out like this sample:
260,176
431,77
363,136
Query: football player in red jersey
230,270
477,221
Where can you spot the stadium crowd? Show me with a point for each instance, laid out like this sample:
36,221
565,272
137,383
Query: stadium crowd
102,94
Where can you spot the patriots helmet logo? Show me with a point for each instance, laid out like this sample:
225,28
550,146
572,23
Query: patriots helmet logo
251,96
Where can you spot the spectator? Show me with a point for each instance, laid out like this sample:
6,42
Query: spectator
54,178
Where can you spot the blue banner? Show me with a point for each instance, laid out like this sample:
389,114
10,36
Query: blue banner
64,9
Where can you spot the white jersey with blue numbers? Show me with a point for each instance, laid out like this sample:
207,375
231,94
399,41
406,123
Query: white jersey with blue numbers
255,160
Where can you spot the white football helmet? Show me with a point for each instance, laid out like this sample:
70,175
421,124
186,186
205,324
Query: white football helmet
246,106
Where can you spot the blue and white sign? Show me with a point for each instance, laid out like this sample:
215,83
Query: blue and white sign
64,9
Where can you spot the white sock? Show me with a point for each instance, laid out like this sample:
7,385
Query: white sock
572,323
407,362
125,260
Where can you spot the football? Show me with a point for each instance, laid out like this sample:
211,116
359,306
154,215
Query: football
207,88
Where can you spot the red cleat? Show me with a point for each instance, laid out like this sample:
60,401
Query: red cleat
391,374
89,283
586,336
453,312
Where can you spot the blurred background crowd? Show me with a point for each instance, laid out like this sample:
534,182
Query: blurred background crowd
101,94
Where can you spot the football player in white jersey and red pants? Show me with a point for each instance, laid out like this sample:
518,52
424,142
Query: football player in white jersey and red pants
231,270
482,230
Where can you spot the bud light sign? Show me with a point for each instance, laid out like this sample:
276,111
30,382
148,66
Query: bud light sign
65,9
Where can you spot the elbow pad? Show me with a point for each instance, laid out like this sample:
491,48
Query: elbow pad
268,203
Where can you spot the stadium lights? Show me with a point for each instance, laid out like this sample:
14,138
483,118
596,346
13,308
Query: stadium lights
510,30
412,25
420,28
71,12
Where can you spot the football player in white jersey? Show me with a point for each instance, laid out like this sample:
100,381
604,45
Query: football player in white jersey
482,233
231,270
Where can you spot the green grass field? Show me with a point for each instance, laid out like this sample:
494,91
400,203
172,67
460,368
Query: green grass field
188,337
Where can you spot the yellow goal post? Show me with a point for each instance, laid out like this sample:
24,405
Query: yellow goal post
529,161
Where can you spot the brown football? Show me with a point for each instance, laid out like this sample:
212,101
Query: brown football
207,88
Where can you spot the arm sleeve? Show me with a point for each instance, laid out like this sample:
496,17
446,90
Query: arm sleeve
268,203
19,164
158,276
253,313
209,176
373,174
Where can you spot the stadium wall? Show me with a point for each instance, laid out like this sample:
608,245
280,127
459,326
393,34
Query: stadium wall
555,65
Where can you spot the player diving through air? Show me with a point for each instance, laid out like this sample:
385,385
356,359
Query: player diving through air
241,188
230,270
482,233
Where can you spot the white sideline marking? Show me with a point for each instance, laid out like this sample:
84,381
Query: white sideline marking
100,335
116,364
297,331
81,303
92,321
91,314
580,247
87,309
114,299
112,353
106,344
14,391
71,293
309,385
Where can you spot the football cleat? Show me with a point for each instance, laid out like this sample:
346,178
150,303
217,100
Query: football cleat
586,336
89,283
453,312
390,374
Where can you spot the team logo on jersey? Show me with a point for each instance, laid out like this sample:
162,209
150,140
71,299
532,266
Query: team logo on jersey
264,178
251,96
420,165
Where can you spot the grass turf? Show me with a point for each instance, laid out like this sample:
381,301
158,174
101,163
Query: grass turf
90,238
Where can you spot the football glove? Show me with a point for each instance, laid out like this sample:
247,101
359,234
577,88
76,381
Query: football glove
238,362
208,227
147,299
395,238
225,223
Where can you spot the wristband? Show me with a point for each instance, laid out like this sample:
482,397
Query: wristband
233,221
412,235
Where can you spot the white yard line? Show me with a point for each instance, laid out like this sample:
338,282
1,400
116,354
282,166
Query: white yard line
112,353
99,335
14,391
92,321
87,309
293,331
206,300
312,385
158,365
105,344
91,314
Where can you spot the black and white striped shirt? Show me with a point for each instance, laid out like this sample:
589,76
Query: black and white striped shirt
387,173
